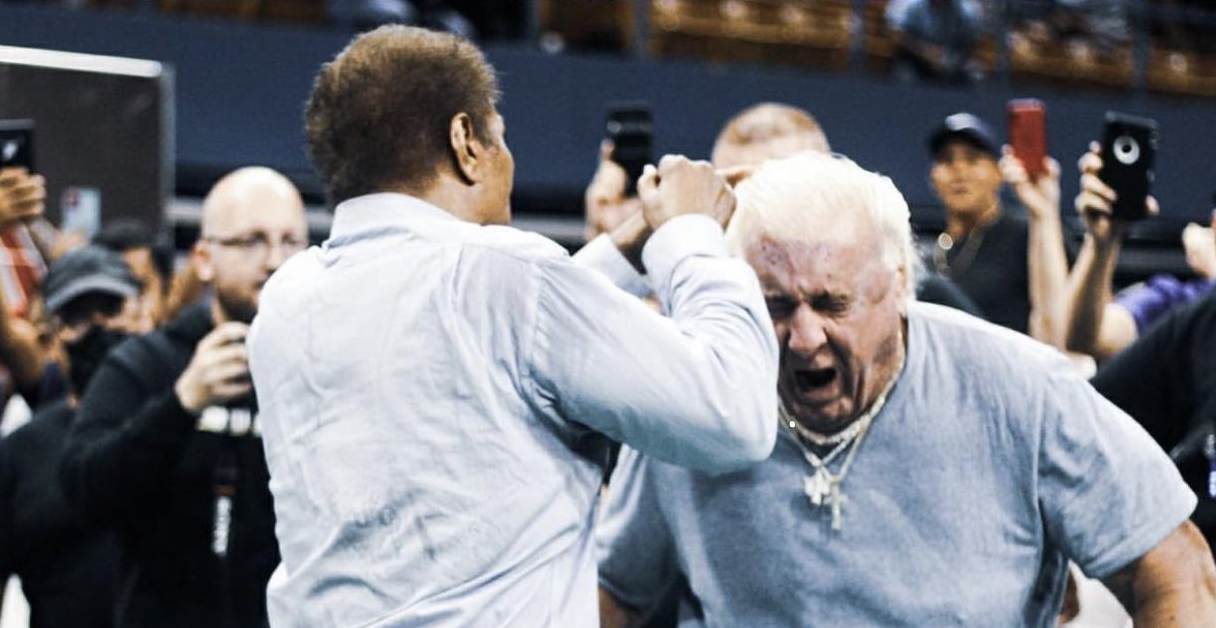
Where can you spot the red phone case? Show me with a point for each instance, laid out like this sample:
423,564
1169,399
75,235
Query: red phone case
1028,133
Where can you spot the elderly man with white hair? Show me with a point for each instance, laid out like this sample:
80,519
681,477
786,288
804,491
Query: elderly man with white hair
932,469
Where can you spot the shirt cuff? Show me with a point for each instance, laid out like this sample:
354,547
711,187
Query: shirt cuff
166,421
601,254
681,237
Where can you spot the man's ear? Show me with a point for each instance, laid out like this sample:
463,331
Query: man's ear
901,284
200,258
467,150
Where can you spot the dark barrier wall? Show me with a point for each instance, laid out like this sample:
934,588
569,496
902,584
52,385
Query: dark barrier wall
240,89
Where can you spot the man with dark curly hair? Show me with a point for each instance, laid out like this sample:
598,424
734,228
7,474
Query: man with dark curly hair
439,392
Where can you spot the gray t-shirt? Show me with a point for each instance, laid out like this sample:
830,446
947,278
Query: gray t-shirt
990,466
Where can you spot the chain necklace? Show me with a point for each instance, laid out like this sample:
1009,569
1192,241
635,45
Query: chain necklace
816,438
966,255
822,486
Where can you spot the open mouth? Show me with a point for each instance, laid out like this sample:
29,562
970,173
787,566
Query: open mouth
813,379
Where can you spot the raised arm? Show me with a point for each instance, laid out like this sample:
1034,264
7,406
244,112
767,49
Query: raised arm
1096,325
1047,264
129,435
695,389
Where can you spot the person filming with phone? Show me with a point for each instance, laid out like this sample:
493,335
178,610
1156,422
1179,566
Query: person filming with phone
1100,322
1012,264
166,447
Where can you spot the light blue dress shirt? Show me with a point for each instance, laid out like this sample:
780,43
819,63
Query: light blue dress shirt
432,393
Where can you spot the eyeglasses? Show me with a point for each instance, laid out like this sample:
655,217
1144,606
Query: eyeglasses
260,245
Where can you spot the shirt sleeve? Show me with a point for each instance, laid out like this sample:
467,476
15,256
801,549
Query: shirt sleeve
696,389
637,562
1148,301
124,442
602,255
1108,493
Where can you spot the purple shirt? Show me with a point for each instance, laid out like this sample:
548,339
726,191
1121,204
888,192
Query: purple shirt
1161,293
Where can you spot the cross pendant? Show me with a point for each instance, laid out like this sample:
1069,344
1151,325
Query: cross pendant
818,486
837,500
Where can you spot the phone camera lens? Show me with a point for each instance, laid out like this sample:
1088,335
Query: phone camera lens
1126,150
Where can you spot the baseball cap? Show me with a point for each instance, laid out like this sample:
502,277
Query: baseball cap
967,127
86,270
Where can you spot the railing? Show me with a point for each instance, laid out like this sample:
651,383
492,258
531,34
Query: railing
1166,49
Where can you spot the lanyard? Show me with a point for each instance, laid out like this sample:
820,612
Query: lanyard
224,479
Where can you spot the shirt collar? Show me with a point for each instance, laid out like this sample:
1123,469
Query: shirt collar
383,209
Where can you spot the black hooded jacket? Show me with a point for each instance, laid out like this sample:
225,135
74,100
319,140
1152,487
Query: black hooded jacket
138,462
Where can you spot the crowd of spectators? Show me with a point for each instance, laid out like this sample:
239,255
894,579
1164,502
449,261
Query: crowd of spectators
140,493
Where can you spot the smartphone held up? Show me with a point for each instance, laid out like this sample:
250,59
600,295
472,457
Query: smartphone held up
17,144
1027,129
1129,152
628,125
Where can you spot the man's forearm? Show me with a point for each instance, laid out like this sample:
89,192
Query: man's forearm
1192,608
1173,585
1089,292
21,352
1048,271
45,237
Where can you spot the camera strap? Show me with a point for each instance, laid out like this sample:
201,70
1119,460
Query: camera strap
224,480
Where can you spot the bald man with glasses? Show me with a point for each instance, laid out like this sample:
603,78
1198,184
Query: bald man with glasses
167,447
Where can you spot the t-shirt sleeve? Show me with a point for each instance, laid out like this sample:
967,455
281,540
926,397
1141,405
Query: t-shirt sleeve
1108,493
1147,302
636,553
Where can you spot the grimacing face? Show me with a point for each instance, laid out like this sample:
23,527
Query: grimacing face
966,178
838,312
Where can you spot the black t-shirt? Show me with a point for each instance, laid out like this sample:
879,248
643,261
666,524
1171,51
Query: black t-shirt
67,567
989,265
934,288
1167,381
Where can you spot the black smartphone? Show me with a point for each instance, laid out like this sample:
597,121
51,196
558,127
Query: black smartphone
17,144
1129,151
629,127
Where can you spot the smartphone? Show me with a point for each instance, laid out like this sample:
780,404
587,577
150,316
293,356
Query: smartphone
629,127
17,144
1129,151
1027,129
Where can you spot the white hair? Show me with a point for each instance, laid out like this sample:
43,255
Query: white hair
804,195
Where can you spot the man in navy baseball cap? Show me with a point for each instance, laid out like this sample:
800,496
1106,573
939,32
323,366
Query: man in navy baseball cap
965,127
986,248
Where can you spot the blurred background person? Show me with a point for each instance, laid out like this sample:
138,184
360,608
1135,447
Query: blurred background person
1101,323
150,260
166,448
1012,264
936,39
67,566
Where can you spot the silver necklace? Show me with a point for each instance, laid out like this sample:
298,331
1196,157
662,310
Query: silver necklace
966,255
822,486
817,438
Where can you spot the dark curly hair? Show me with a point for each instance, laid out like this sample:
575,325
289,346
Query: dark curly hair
379,114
